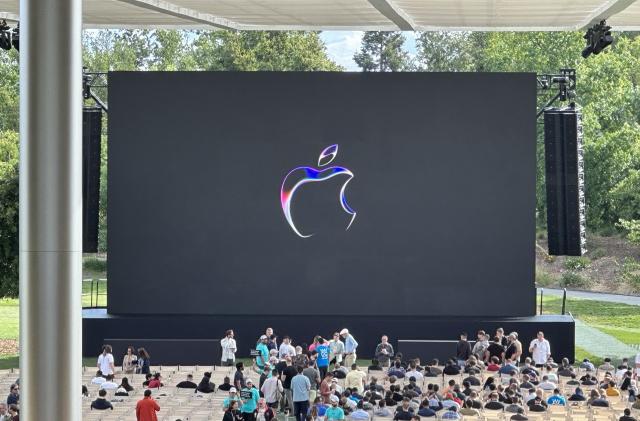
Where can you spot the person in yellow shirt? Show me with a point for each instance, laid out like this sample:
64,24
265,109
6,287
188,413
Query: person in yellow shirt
612,390
355,379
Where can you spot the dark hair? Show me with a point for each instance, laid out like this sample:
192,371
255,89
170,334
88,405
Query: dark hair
102,393
107,349
147,393
125,384
299,369
156,376
143,353
239,365
228,332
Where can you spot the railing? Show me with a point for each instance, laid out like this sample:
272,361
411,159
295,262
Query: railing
94,293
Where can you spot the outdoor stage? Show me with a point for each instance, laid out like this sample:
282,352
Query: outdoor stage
215,223
192,339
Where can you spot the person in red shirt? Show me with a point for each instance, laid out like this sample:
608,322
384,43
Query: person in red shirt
155,382
325,388
147,407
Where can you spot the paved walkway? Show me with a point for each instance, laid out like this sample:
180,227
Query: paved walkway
598,296
598,343
591,339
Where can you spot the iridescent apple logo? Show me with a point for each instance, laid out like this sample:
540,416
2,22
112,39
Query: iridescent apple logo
303,175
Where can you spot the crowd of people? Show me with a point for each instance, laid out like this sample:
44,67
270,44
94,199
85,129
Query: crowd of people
323,380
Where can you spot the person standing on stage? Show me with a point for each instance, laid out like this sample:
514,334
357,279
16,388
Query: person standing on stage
286,348
350,347
229,349
322,362
336,347
384,352
540,350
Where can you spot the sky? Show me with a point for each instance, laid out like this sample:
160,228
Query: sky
342,45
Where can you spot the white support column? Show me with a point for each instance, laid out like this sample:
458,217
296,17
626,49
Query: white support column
50,209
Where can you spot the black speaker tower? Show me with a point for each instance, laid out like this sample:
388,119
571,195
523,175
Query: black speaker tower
91,135
564,181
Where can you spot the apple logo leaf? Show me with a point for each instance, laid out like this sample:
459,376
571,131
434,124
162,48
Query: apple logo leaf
327,155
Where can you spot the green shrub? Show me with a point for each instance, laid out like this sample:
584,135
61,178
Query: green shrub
544,278
573,280
94,264
597,253
631,272
576,263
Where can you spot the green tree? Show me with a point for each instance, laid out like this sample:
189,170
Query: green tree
261,50
450,51
9,151
382,52
9,89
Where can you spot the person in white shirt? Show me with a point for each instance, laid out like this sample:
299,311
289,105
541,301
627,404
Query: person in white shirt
98,379
546,384
229,349
109,384
105,361
286,349
272,389
336,348
413,372
540,350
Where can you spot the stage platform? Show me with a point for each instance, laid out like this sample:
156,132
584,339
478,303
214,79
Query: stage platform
192,339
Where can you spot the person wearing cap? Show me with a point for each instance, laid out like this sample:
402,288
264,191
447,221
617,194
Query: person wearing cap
249,396
233,397
360,414
300,386
334,413
350,347
263,353
272,389
515,355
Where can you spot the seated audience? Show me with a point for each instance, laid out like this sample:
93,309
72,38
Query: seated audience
205,385
189,384
101,403
627,416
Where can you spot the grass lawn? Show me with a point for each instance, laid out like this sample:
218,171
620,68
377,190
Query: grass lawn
621,321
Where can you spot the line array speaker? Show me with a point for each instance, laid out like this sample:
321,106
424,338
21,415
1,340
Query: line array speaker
564,171
91,136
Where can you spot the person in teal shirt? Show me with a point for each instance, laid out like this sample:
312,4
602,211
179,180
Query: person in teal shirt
335,412
249,396
233,396
262,348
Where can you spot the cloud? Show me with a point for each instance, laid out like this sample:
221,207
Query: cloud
341,46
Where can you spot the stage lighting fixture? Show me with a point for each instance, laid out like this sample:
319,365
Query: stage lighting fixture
598,38
5,36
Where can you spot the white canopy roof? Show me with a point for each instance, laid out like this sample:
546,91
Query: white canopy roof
418,15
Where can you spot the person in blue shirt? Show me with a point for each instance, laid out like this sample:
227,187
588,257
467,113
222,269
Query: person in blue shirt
350,347
322,360
300,387
249,396
263,357
557,398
